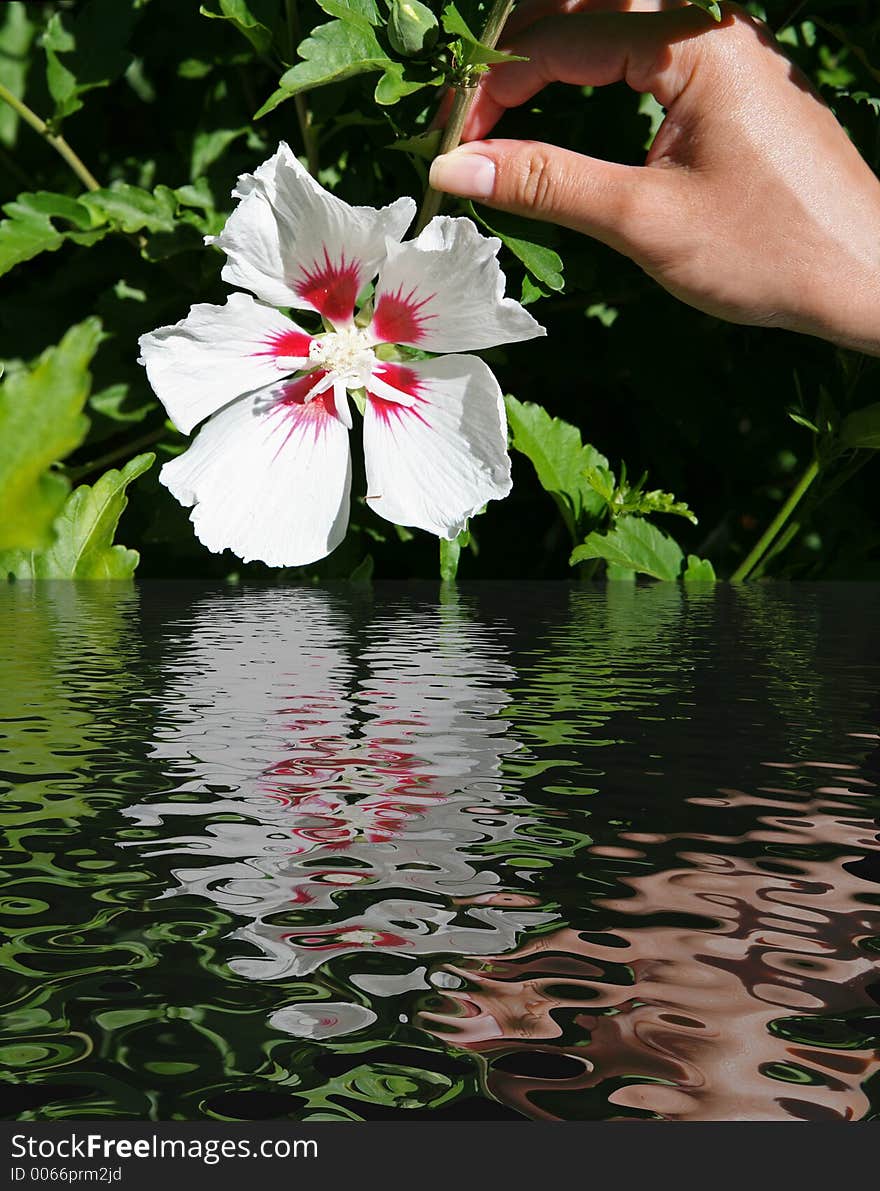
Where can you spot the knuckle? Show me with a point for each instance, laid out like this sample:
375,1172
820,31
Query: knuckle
535,183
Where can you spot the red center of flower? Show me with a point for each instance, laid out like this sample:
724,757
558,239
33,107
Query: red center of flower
289,343
330,287
399,318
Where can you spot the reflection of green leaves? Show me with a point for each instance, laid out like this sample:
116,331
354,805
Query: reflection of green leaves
561,461
83,546
41,421
378,1083
636,545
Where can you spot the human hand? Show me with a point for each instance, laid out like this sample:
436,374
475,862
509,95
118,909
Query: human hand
753,204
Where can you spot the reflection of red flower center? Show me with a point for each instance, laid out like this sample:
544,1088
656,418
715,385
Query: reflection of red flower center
346,937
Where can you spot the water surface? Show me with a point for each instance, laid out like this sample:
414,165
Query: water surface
533,852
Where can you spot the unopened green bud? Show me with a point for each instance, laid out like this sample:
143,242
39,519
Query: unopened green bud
412,27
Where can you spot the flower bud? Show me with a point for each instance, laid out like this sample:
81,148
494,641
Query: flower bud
412,27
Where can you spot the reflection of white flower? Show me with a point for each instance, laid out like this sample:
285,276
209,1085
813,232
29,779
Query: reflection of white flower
270,473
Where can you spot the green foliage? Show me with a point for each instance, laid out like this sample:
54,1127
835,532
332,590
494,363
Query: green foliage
622,499
562,462
42,222
862,428
254,19
17,32
157,98
88,51
711,6
83,533
42,421
450,555
634,545
467,48
334,52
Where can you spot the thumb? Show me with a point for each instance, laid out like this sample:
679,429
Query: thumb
625,206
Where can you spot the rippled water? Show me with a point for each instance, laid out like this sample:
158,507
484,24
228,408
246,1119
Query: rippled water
536,852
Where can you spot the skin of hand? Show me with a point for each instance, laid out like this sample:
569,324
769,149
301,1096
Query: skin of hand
753,204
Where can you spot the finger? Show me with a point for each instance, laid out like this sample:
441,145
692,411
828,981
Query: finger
624,206
530,11
651,51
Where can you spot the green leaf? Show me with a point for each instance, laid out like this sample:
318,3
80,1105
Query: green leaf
16,35
862,428
542,262
394,85
112,403
561,461
422,144
455,25
352,10
31,227
83,546
210,145
699,570
93,48
637,545
450,555
710,6
363,572
335,51
531,292
42,421
133,209
254,19
474,52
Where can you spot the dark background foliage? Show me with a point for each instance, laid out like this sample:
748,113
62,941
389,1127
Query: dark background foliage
168,96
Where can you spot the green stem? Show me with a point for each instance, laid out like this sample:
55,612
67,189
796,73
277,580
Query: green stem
77,474
463,98
303,115
782,543
768,537
58,143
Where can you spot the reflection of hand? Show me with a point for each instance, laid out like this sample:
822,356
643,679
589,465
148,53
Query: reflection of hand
753,205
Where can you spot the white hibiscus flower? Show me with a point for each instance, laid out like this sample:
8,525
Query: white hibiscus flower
269,474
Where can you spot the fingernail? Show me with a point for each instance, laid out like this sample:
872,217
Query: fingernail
467,174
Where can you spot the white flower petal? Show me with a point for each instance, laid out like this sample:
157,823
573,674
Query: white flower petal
269,476
292,243
444,291
436,462
218,353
